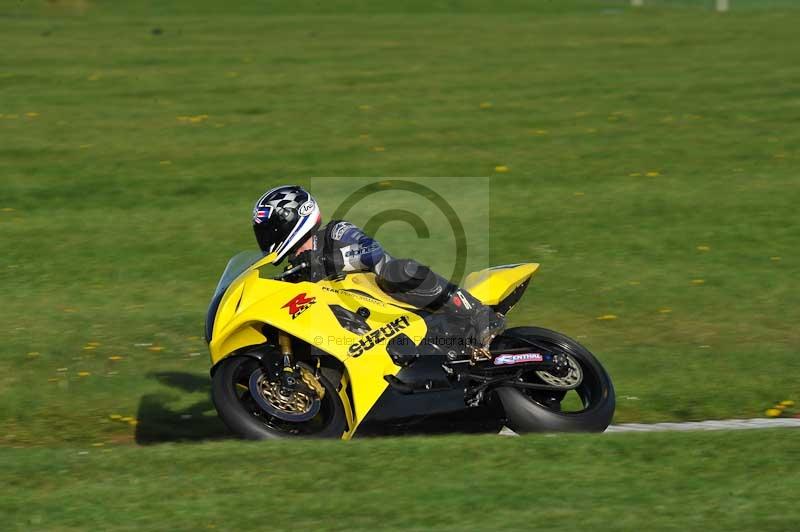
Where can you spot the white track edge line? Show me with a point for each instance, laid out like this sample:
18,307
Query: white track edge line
723,424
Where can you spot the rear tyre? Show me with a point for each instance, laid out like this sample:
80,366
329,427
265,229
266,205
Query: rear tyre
242,414
537,411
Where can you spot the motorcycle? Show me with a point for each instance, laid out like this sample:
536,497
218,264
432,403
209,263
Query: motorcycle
321,359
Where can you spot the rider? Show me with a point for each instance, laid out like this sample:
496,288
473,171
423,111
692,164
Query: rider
287,221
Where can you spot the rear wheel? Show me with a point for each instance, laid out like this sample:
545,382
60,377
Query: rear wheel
253,408
588,407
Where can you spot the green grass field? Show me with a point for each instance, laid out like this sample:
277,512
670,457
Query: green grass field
706,481
651,158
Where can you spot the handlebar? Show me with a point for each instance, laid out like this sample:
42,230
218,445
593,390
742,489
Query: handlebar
291,271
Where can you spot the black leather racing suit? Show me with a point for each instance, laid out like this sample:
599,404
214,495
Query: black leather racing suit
341,247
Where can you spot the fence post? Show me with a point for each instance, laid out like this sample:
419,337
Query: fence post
723,5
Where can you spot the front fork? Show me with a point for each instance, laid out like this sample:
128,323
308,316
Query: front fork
288,380
291,372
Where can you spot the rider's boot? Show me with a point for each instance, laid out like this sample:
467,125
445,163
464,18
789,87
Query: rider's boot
486,323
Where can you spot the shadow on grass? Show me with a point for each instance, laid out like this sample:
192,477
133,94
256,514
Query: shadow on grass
481,420
160,422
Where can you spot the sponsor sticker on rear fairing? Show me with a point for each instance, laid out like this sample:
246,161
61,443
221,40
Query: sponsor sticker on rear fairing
517,358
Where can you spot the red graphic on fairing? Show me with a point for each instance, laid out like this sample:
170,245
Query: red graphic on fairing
299,304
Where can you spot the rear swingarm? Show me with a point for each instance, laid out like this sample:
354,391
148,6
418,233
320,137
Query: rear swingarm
506,380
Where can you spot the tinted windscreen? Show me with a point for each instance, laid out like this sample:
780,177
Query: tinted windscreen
236,266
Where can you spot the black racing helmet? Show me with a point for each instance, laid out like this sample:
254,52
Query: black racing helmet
283,219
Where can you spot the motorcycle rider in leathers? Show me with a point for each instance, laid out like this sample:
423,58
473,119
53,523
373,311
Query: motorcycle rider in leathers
287,221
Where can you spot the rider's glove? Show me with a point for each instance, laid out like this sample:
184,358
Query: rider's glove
320,265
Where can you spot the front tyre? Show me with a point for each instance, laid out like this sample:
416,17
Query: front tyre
231,392
539,411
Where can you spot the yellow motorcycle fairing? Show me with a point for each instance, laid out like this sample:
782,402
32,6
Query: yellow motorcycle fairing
492,285
252,301
304,311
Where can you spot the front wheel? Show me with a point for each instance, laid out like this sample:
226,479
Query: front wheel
254,409
590,410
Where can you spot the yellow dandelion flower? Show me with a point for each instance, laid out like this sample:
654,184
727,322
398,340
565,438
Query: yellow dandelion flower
775,259
664,310
156,348
378,148
115,417
94,77
653,173
579,193
634,283
31,115
539,132
133,422
95,344
126,419
698,281
83,374
703,248
787,403
501,169
486,105
7,209
89,347
607,317
772,412
33,354
115,357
